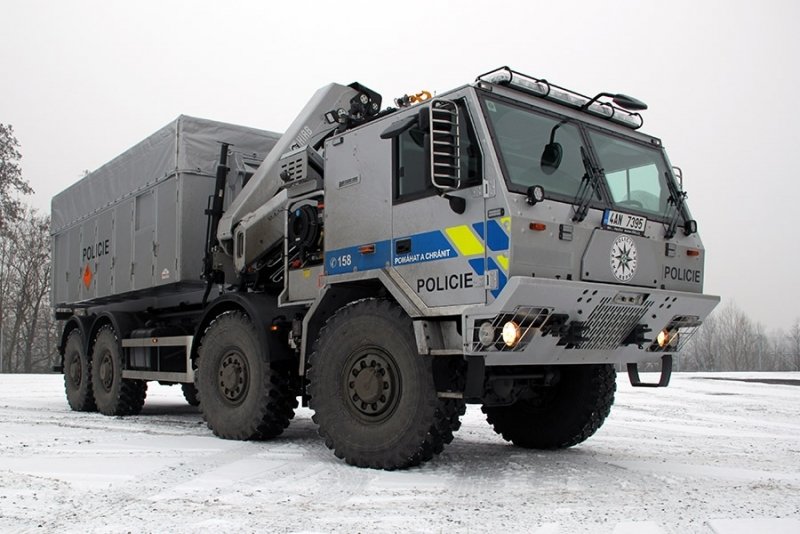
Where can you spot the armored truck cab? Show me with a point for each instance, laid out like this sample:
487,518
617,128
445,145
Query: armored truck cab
505,243
555,222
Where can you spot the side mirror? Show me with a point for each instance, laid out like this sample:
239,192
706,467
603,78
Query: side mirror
397,128
551,157
424,119
457,204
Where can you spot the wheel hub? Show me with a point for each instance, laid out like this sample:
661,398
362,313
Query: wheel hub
106,371
233,377
75,370
372,384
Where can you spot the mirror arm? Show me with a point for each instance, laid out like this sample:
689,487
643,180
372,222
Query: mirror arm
593,100
398,128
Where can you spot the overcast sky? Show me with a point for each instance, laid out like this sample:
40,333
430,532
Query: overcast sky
84,80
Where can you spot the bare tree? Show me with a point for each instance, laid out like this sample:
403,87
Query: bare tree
11,181
27,323
729,340
702,352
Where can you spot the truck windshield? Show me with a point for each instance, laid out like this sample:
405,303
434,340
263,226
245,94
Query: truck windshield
522,137
636,173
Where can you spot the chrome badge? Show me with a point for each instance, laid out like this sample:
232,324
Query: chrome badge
623,258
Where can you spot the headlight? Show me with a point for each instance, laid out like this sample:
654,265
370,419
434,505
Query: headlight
486,334
511,333
666,337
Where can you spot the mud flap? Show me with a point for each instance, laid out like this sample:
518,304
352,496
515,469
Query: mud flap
476,374
666,373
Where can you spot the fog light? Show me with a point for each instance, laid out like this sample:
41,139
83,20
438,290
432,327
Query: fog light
486,333
663,338
511,333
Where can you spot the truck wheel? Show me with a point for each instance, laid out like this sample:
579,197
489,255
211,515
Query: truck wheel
449,420
113,394
78,375
561,415
373,394
242,395
190,394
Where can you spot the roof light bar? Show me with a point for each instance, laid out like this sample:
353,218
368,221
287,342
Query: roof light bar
544,89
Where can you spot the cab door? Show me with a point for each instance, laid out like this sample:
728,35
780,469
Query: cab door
438,252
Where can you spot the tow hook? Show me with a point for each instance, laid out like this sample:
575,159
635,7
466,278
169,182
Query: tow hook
666,373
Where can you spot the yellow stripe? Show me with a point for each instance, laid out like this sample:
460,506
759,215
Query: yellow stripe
464,240
502,260
505,222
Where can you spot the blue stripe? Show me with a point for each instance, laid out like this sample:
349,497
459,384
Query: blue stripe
349,259
478,226
428,246
498,239
477,266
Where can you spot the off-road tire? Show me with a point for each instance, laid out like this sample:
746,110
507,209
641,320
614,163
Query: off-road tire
373,394
190,394
561,415
242,395
78,374
449,420
113,394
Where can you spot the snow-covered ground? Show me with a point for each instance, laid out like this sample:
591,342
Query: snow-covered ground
703,455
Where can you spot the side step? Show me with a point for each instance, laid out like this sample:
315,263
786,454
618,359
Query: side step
666,373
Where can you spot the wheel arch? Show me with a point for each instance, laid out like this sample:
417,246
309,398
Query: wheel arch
263,311
332,299
76,322
122,323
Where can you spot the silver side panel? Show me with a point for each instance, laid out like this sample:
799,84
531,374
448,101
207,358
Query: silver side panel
137,224
358,196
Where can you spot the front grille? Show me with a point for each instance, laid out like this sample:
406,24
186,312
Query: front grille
609,324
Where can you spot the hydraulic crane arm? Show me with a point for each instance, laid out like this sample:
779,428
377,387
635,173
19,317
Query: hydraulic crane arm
333,107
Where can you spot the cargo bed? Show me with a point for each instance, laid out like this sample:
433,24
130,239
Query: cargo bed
136,226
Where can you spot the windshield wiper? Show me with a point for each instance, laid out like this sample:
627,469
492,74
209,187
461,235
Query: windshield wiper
676,199
588,185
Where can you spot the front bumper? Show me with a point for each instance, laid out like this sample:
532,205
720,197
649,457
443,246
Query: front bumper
567,322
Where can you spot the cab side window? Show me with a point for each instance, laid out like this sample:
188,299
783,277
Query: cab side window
411,172
412,180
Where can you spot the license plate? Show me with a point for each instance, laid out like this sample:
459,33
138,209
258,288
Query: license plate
632,224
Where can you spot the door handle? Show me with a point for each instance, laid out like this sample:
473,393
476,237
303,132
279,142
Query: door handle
402,246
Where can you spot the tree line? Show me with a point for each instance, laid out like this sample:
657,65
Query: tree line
728,341
28,329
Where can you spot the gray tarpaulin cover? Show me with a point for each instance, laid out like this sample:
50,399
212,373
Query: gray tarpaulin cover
187,144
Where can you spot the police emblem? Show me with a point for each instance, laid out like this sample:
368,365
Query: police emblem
623,258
